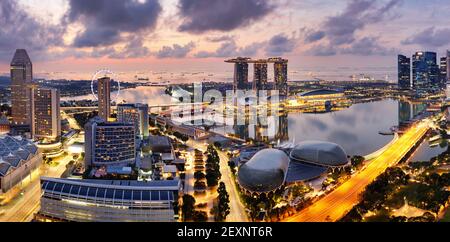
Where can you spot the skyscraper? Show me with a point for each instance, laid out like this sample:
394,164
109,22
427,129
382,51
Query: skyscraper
104,98
448,65
404,72
443,71
46,118
136,114
109,144
281,75
260,75
240,73
425,70
21,79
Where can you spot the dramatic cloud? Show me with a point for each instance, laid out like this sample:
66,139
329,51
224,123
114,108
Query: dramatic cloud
313,36
322,50
430,37
175,51
133,49
339,33
106,20
367,46
220,38
341,29
19,30
223,15
230,49
280,44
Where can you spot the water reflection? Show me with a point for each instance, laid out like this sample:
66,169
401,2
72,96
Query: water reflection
356,129
425,152
275,128
408,111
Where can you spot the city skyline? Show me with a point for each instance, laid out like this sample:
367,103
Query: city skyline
224,111
171,37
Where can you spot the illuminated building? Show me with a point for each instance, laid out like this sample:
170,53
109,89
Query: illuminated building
281,75
19,158
425,70
270,169
448,65
104,98
21,79
318,100
265,172
109,144
108,201
404,72
260,75
240,73
443,71
136,114
46,118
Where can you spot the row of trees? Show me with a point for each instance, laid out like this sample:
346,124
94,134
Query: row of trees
222,209
199,175
213,174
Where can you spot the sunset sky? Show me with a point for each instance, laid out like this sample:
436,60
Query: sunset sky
132,35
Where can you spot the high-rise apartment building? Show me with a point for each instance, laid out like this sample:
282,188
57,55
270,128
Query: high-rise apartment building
136,114
104,98
404,72
109,144
46,118
21,80
425,70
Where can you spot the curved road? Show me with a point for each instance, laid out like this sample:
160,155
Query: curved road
336,204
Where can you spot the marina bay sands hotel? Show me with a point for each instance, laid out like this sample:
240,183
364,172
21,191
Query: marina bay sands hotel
260,82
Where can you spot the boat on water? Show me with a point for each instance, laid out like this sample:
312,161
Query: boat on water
435,144
386,133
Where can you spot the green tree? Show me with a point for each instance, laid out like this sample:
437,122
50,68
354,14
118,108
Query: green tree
200,216
213,174
199,175
223,207
188,208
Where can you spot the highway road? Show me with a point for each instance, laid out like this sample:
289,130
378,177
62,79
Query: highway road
336,204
